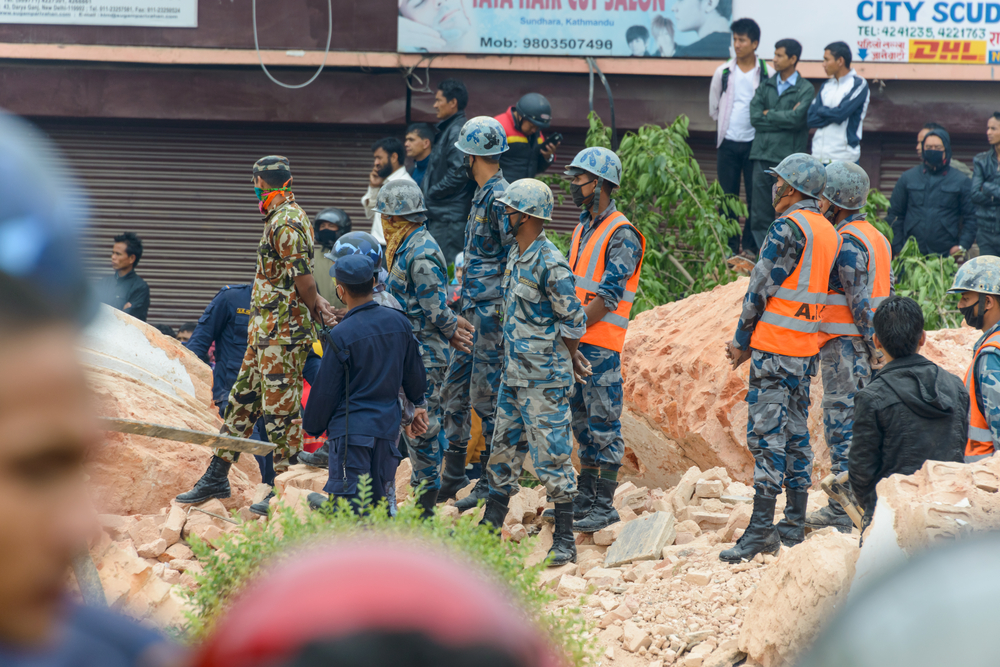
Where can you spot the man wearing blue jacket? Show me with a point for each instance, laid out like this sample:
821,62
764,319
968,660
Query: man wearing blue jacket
367,357
838,111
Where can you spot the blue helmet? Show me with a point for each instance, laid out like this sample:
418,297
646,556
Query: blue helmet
598,161
402,198
42,219
529,196
482,135
358,243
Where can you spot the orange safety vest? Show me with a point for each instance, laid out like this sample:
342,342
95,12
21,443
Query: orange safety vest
836,316
980,436
588,268
790,323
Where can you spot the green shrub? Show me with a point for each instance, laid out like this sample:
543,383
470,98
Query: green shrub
241,555
926,279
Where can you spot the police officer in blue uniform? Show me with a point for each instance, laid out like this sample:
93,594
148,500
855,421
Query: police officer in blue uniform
225,323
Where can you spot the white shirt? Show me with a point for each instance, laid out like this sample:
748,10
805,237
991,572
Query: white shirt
370,199
830,143
743,86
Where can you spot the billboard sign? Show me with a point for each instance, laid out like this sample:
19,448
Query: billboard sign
146,13
917,31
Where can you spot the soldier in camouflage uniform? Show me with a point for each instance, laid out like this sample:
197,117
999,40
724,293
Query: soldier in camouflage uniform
283,303
778,332
543,323
606,257
978,281
418,278
475,379
861,280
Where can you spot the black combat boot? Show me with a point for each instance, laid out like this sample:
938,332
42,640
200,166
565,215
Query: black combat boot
760,536
481,490
586,489
831,515
213,484
792,528
602,513
563,543
496,511
262,507
453,477
318,459
426,502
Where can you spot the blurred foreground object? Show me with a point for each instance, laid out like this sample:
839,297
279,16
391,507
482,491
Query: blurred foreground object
376,603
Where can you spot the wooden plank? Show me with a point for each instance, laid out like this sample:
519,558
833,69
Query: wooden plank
212,440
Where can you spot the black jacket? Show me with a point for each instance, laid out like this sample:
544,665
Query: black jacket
128,293
936,208
447,188
911,412
986,191
523,157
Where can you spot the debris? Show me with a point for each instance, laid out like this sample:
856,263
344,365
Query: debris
633,638
642,539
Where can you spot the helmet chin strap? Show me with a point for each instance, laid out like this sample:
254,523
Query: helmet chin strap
597,197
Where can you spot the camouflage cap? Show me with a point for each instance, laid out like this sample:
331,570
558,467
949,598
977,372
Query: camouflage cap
271,163
402,198
802,172
846,185
980,274
529,196
482,135
598,161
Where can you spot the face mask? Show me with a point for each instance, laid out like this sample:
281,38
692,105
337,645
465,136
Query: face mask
969,312
934,159
778,193
327,237
260,192
468,169
579,199
508,225
831,215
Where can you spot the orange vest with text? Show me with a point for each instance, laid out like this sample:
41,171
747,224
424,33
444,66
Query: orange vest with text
588,267
836,316
790,323
980,435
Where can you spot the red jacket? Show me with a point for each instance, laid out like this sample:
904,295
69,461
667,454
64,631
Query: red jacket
523,158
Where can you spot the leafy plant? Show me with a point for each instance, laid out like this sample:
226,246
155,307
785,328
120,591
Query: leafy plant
667,197
874,206
926,279
241,556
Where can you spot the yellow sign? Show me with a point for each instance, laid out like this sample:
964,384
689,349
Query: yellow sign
956,52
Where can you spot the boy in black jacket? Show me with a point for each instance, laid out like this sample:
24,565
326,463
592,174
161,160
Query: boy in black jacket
911,412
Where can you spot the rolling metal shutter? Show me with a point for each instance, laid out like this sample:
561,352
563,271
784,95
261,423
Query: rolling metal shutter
899,153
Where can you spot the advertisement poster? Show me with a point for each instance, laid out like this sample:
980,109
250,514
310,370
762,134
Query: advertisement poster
147,13
916,31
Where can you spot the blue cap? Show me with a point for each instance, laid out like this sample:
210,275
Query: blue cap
354,269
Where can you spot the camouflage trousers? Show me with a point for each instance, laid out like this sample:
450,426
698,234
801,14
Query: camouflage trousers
535,420
777,432
597,409
427,451
474,379
269,385
846,370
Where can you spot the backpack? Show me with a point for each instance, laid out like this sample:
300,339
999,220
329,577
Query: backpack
763,73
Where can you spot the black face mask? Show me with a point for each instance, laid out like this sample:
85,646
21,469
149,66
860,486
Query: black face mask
969,312
327,237
934,159
579,199
468,170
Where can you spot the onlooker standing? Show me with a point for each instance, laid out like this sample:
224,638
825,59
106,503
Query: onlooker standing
419,139
986,190
913,410
933,203
733,86
529,151
124,289
389,156
447,186
922,134
838,112
184,333
778,115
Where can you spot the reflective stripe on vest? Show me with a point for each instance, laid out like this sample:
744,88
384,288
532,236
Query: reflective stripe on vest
837,318
588,265
980,436
790,322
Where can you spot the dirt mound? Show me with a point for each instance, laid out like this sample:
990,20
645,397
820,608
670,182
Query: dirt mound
138,373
